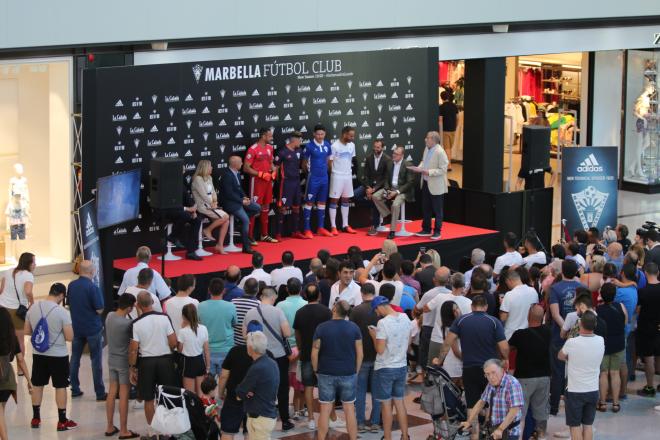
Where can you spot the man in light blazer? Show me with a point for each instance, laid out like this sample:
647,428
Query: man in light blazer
433,183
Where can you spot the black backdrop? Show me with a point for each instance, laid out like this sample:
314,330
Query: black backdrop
211,110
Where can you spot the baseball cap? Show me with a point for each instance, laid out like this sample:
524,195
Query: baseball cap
254,326
378,301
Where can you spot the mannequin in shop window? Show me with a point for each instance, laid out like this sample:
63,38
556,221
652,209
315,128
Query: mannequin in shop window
642,111
18,209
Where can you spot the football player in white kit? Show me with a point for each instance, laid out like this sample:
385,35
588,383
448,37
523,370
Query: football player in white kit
341,179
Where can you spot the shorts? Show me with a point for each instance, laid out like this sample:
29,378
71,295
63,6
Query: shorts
50,368
289,193
341,186
307,374
152,371
119,375
17,232
232,415
581,408
648,344
261,191
295,383
216,363
193,366
613,361
317,190
389,383
474,383
332,386
19,324
5,395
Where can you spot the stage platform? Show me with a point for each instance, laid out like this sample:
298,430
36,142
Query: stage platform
457,242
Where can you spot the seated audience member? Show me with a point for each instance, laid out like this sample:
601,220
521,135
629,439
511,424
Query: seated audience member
158,285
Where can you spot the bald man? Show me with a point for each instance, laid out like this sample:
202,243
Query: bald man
533,367
232,279
236,203
86,305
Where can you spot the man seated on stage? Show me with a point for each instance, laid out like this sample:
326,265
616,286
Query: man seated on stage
374,174
317,154
288,160
399,188
235,202
341,179
185,224
259,165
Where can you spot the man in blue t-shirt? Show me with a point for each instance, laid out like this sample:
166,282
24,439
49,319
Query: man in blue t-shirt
336,358
86,305
562,296
317,153
626,294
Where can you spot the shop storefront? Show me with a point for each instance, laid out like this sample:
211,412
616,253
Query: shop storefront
35,161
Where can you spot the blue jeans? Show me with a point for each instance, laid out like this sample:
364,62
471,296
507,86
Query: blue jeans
365,377
95,344
389,383
331,386
360,194
557,380
244,215
217,358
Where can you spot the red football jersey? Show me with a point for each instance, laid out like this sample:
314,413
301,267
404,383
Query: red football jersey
260,158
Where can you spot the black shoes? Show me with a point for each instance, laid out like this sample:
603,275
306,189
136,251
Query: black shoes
193,256
287,425
247,251
390,235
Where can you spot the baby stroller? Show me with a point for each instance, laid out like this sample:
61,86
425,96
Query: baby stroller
443,401
171,397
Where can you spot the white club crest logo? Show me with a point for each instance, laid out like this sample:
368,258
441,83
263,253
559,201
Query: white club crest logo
394,118
136,142
171,110
334,125
287,88
364,95
222,93
364,148
222,148
409,79
119,129
256,118
303,100
408,130
350,83
188,179
188,123
380,108
239,106
154,98
255,198
284,200
197,72
589,204
319,112
205,135
153,153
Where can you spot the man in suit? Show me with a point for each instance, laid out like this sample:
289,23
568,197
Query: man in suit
653,244
433,183
374,174
185,224
235,202
399,187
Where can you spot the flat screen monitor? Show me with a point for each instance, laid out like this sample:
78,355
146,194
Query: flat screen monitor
118,198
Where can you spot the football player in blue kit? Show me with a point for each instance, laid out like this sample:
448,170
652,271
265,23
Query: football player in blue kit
317,154
288,160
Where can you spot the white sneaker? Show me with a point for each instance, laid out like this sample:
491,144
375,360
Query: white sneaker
562,434
311,425
339,423
138,404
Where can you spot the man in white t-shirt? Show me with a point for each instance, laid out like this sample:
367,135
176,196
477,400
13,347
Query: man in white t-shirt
534,256
341,179
158,286
441,279
174,305
573,253
345,289
280,276
516,304
152,342
258,272
145,278
511,256
457,284
389,273
583,355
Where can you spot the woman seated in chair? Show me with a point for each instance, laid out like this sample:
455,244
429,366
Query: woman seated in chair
206,201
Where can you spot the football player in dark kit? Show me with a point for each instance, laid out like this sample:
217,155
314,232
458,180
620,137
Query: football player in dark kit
288,160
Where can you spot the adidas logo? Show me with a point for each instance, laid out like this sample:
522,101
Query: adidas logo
119,103
119,160
137,229
188,154
590,165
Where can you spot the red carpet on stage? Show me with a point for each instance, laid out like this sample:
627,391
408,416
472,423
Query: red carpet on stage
302,249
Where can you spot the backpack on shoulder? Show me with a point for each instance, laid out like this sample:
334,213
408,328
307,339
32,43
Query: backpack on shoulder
40,334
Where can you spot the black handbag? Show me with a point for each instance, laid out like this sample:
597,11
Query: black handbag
21,311
283,341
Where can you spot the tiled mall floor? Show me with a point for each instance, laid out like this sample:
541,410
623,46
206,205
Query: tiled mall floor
637,417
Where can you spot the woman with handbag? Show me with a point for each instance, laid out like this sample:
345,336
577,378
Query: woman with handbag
16,293
206,202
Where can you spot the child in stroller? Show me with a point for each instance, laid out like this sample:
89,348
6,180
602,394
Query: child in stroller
443,400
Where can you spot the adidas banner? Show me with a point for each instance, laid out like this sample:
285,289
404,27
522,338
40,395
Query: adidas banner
213,109
589,187
90,239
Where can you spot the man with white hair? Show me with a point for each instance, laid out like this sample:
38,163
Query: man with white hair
477,258
157,287
504,397
258,390
433,169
